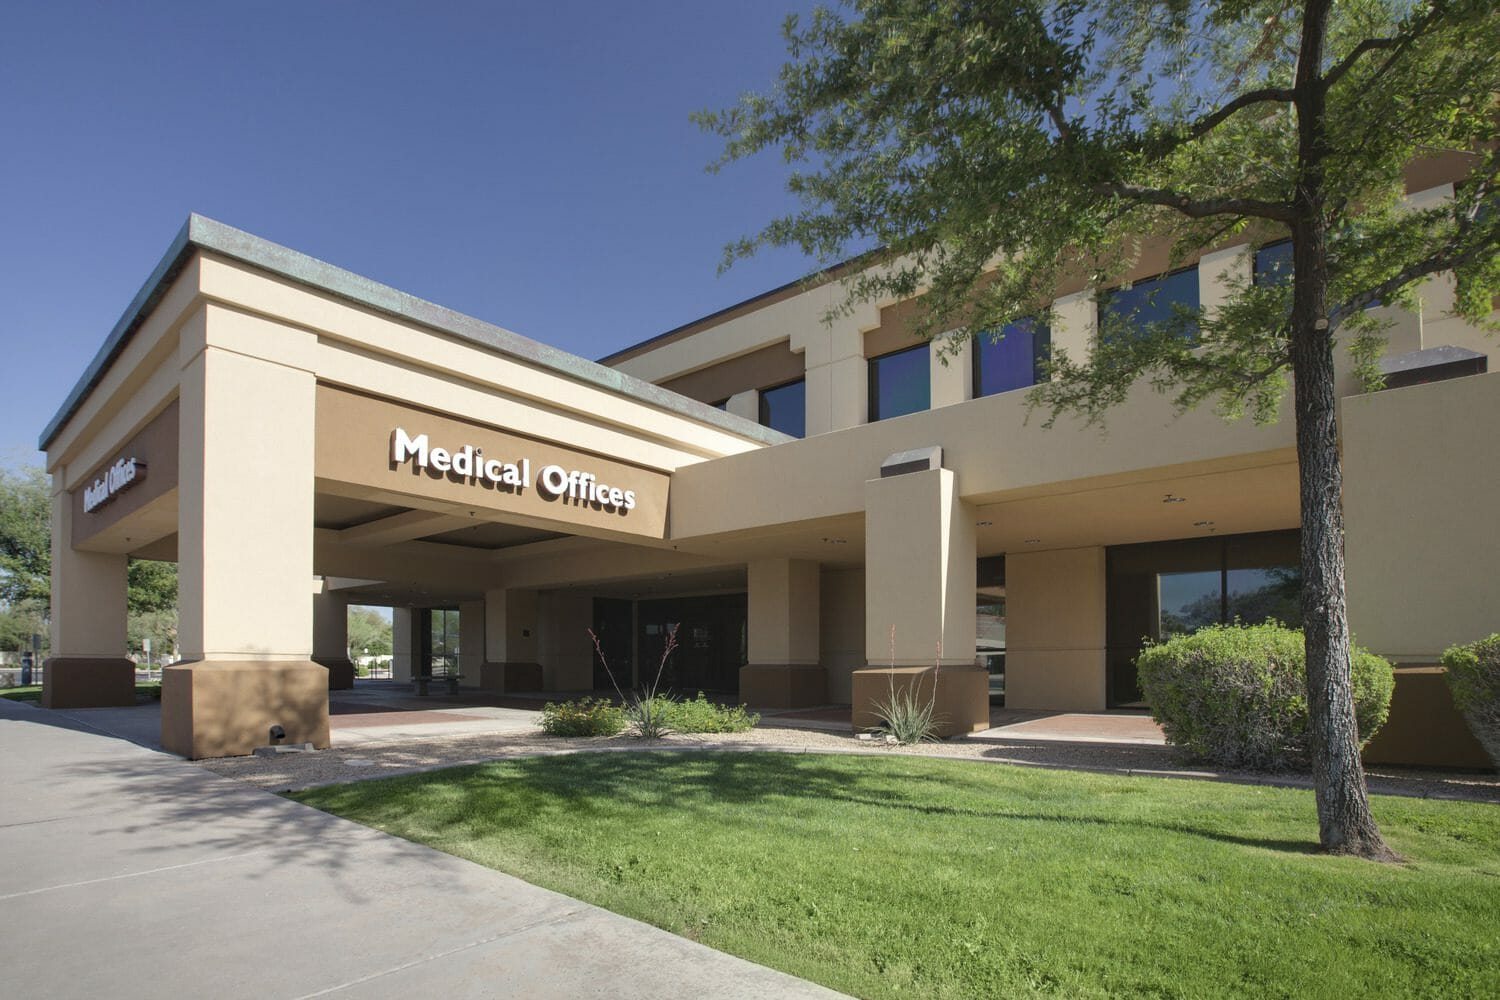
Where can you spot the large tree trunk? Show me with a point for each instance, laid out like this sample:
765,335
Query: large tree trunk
1345,825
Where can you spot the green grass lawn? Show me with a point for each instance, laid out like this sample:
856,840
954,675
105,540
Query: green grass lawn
899,877
33,692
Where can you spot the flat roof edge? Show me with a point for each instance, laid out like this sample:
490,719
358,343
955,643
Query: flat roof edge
215,237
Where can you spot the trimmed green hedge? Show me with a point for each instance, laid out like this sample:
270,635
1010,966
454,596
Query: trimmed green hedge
1474,678
1236,695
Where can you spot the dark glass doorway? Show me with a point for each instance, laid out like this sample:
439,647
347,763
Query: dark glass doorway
712,641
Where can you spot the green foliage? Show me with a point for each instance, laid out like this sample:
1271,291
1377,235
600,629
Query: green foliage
1236,695
846,870
1474,678
369,633
20,621
994,151
699,715
25,538
152,586
584,717
159,626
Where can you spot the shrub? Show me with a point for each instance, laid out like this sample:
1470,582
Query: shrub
1474,678
650,717
703,716
1236,695
585,717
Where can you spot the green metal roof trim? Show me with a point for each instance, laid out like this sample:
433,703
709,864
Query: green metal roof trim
226,241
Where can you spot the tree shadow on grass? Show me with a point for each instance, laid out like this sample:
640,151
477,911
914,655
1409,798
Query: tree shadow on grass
588,784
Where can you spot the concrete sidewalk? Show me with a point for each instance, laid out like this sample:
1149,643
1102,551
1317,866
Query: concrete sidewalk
130,873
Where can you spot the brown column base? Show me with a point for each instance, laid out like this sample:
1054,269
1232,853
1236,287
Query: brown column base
508,677
340,671
783,685
88,682
1424,729
963,695
227,709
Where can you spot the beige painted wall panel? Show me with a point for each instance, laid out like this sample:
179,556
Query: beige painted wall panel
338,365
88,593
153,343
1075,322
950,371
1219,270
149,398
471,641
330,616
848,393
565,651
841,629
403,621
354,445
782,601
1422,541
155,450
546,392
1054,630
919,571
245,508
510,626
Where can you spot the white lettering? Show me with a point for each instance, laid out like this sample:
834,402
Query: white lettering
404,446
553,479
439,459
113,481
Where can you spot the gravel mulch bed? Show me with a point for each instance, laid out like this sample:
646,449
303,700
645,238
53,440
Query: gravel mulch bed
286,772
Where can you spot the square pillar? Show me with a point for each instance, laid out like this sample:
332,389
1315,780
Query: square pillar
919,601
403,643
1055,655
245,555
511,661
784,669
471,629
88,667
330,648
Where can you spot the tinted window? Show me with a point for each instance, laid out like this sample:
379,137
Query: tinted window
1014,360
784,408
1273,263
1150,302
899,383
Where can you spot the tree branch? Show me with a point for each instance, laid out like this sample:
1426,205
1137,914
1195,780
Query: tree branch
1265,95
1198,208
1398,42
1447,260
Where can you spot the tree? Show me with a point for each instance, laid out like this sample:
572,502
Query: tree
369,633
25,537
987,149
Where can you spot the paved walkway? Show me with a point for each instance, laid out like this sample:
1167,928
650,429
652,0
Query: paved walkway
130,873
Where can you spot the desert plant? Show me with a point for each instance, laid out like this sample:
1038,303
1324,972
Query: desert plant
906,717
645,710
1474,678
1236,695
585,717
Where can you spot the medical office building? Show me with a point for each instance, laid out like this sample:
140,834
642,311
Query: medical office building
818,504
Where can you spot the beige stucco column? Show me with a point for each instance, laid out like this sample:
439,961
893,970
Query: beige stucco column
919,601
87,668
510,642
784,669
1054,630
245,552
950,370
471,630
403,637
331,635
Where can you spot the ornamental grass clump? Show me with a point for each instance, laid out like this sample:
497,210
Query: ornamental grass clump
1236,695
1474,678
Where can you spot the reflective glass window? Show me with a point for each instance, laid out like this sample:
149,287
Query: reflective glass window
784,408
899,383
1153,301
1013,359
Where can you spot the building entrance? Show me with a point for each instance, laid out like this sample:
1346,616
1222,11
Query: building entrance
712,638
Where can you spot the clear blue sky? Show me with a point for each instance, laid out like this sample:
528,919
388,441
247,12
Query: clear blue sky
531,164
